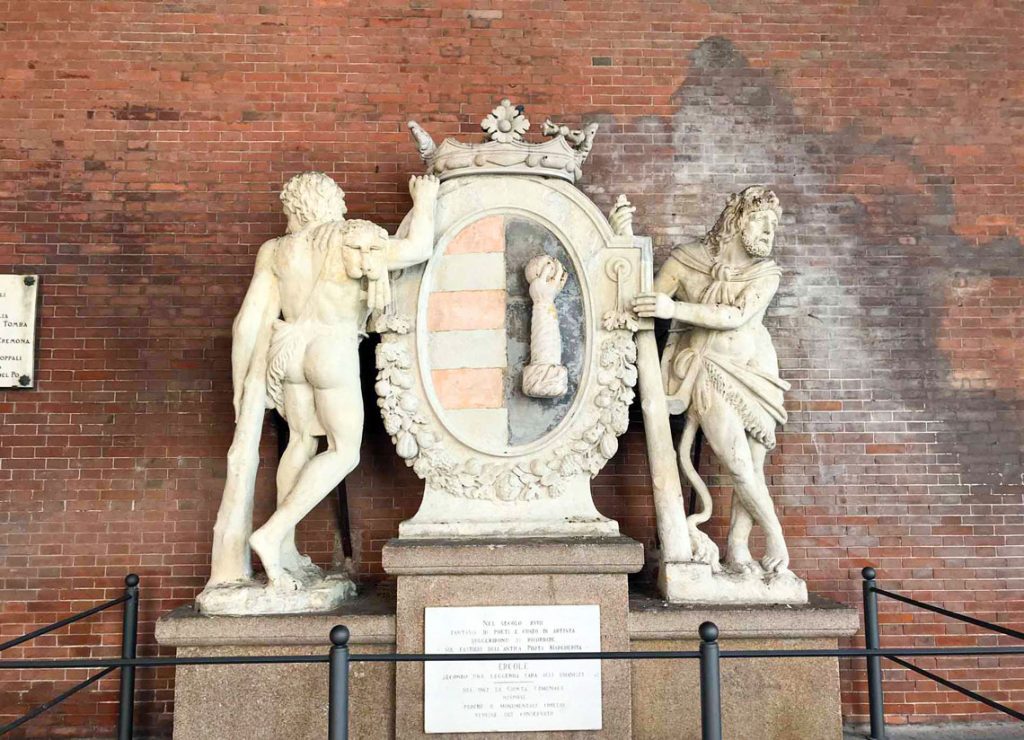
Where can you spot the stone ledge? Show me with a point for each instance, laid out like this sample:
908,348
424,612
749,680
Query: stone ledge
370,617
651,618
513,556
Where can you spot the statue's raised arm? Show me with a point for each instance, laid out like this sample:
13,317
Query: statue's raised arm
418,244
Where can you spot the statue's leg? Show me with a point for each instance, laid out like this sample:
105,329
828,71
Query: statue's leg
334,374
738,557
776,556
725,432
301,448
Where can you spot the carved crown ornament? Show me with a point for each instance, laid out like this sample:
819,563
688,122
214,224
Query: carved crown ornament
506,151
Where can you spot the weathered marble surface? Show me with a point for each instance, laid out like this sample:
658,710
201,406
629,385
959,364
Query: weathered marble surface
497,461
698,583
479,319
319,593
545,376
536,480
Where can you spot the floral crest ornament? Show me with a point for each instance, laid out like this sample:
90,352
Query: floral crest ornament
417,442
506,123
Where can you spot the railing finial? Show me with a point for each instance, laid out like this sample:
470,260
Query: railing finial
708,631
339,635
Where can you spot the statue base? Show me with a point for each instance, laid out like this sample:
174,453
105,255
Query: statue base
276,700
694,583
763,698
572,515
318,593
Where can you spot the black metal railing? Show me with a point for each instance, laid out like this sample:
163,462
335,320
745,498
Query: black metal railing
129,640
339,657
876,699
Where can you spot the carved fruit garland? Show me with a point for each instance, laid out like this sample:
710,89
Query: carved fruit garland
419,445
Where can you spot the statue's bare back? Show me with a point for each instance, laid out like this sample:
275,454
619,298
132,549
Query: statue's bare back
303,278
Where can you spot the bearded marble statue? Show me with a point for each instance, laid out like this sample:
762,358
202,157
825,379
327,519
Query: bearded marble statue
720,369
295,349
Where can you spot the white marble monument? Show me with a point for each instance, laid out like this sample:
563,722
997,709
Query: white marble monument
719,368
509,390
515,320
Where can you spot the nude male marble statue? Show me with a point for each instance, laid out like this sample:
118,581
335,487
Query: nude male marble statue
720,369
295,348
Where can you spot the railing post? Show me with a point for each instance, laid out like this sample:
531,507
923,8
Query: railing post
876,702
129,642
337,706
710,683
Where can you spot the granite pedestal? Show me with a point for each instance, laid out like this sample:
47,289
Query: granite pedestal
513,573
762,698
274,701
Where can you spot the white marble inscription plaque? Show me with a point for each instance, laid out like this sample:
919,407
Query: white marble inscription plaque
18,330
509,696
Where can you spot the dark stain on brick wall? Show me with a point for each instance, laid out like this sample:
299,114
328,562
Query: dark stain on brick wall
894,253
129,112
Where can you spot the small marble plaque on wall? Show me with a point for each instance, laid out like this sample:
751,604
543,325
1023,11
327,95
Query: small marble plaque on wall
512,695
18,330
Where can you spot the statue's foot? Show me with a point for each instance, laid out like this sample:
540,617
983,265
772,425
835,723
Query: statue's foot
742,567
269,553
285,581
292,560
739,560
776,559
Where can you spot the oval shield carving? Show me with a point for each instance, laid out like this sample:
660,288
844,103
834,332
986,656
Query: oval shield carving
479,325
451,381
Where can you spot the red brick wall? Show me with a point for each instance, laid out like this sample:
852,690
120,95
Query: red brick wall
142,145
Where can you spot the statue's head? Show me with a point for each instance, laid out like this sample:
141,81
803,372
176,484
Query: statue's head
312,197
751,215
